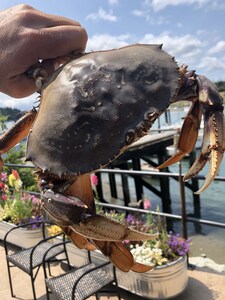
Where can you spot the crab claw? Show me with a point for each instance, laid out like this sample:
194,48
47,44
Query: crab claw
74,213
79,240
141,268
87,230
213,146
121,257
206,100
99,227
118,254
188,135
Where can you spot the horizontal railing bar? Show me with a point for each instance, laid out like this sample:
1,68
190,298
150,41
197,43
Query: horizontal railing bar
19,165
172,216
131,172
139,173
153,173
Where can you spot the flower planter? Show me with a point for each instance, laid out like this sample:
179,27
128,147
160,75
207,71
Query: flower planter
78,257
163,282
21,237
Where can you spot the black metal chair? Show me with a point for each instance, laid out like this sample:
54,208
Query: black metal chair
84,282
30,260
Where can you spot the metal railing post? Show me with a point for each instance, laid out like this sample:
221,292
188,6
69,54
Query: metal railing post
182,203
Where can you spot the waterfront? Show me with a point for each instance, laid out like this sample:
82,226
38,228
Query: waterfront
206,240
209,240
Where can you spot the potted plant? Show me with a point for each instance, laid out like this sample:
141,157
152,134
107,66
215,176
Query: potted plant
16,208
169,278
167,254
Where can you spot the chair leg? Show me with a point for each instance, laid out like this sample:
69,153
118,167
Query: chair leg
116,282
47,294
49,268
10,280
45,277
97,297
67,259
32,284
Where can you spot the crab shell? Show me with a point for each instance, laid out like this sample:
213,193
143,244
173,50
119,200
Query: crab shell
93,107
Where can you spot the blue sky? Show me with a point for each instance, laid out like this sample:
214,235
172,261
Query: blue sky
191,30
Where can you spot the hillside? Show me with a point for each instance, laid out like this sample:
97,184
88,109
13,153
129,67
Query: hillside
12,113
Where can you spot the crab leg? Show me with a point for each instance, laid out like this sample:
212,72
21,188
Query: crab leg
188,136
99,227
81,188
16,133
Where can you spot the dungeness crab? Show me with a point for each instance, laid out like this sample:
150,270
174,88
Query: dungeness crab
92,108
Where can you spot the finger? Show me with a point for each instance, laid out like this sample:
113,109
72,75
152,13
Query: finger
48,43
20,86
59,41
50,65
33,18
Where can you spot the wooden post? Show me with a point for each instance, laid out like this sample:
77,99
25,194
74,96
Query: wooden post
137,179
164,185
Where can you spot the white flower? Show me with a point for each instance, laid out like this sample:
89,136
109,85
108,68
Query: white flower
148,255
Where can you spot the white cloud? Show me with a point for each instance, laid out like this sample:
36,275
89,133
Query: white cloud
161,4
102,15
211,63
182,47
107,41
113,2
220,46
22,104
147,15
139,13
186,49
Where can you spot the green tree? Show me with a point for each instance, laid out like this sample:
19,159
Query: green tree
16,156
3,120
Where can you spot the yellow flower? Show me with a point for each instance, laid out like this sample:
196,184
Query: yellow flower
54,229
15,182
12,179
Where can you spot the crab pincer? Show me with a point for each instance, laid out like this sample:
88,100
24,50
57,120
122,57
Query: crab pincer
207,102
87,229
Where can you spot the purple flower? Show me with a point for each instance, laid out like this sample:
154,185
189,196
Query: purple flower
130,219
178,245
36,219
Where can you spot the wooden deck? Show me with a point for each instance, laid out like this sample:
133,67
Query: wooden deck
154,139
132,159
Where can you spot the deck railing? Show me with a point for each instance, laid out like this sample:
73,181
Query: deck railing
182,217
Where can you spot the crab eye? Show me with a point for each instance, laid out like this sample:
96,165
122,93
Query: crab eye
49,200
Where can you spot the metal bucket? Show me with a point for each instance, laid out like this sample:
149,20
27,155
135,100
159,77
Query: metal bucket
163,282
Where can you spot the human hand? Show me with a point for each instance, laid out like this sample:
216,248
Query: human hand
27,36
